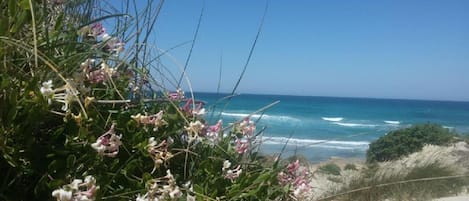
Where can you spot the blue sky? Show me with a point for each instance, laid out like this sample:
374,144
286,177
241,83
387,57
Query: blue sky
382,49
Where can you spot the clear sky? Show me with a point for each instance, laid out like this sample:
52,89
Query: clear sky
413,49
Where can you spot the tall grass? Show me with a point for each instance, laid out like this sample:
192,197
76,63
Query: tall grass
431,173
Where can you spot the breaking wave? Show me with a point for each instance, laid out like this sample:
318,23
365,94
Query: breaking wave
281,118
333,119
354,124
332,144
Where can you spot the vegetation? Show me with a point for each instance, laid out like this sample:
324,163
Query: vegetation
330,168
350,166
405,141
422,183
84,117
432,172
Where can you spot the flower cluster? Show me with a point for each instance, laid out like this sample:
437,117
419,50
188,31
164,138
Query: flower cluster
159,152
155,120
78,190
213,132
104,73
194,108
297,177
65,94
243,132
178,95
112,45
164,188
231,174
246,127
109,44
194,129
242,145
108,143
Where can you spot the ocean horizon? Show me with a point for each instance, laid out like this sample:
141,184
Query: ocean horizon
319,127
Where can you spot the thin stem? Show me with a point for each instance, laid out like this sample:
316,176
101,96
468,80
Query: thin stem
192,46
252,49
33,18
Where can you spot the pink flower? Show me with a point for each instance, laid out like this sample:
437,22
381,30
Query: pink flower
177,95
233,174
158,152
213,131
293,167
112,44
198,110
216,128
108,143
246,127
96,30
297,177
242,146
156,120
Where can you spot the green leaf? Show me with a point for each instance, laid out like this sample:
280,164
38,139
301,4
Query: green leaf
71,159
12,7
4,23
24,4
10,160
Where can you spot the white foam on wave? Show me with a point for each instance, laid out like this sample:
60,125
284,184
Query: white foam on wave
392,122
333,119
332,144
448,127
354,124
265,116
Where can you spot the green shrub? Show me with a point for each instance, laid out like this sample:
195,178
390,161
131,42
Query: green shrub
330,168
405,141
350,166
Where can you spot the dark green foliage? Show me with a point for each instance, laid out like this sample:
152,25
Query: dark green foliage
330,168
405,141
350,166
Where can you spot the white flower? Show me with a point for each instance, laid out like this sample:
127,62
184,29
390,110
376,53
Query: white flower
226,165
194,129
47,90
68,94
75,184
112,44
142,198
175,193
90,180
190,198
77,190
233,173
199,112
62,195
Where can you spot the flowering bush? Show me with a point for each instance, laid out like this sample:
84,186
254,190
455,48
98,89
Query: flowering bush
105,123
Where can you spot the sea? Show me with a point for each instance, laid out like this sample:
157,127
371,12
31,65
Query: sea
320,128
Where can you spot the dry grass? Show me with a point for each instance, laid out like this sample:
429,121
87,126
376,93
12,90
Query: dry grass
420,176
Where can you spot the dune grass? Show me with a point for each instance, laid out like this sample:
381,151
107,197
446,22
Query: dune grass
431,173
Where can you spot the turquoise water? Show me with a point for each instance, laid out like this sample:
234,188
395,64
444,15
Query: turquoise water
322,127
